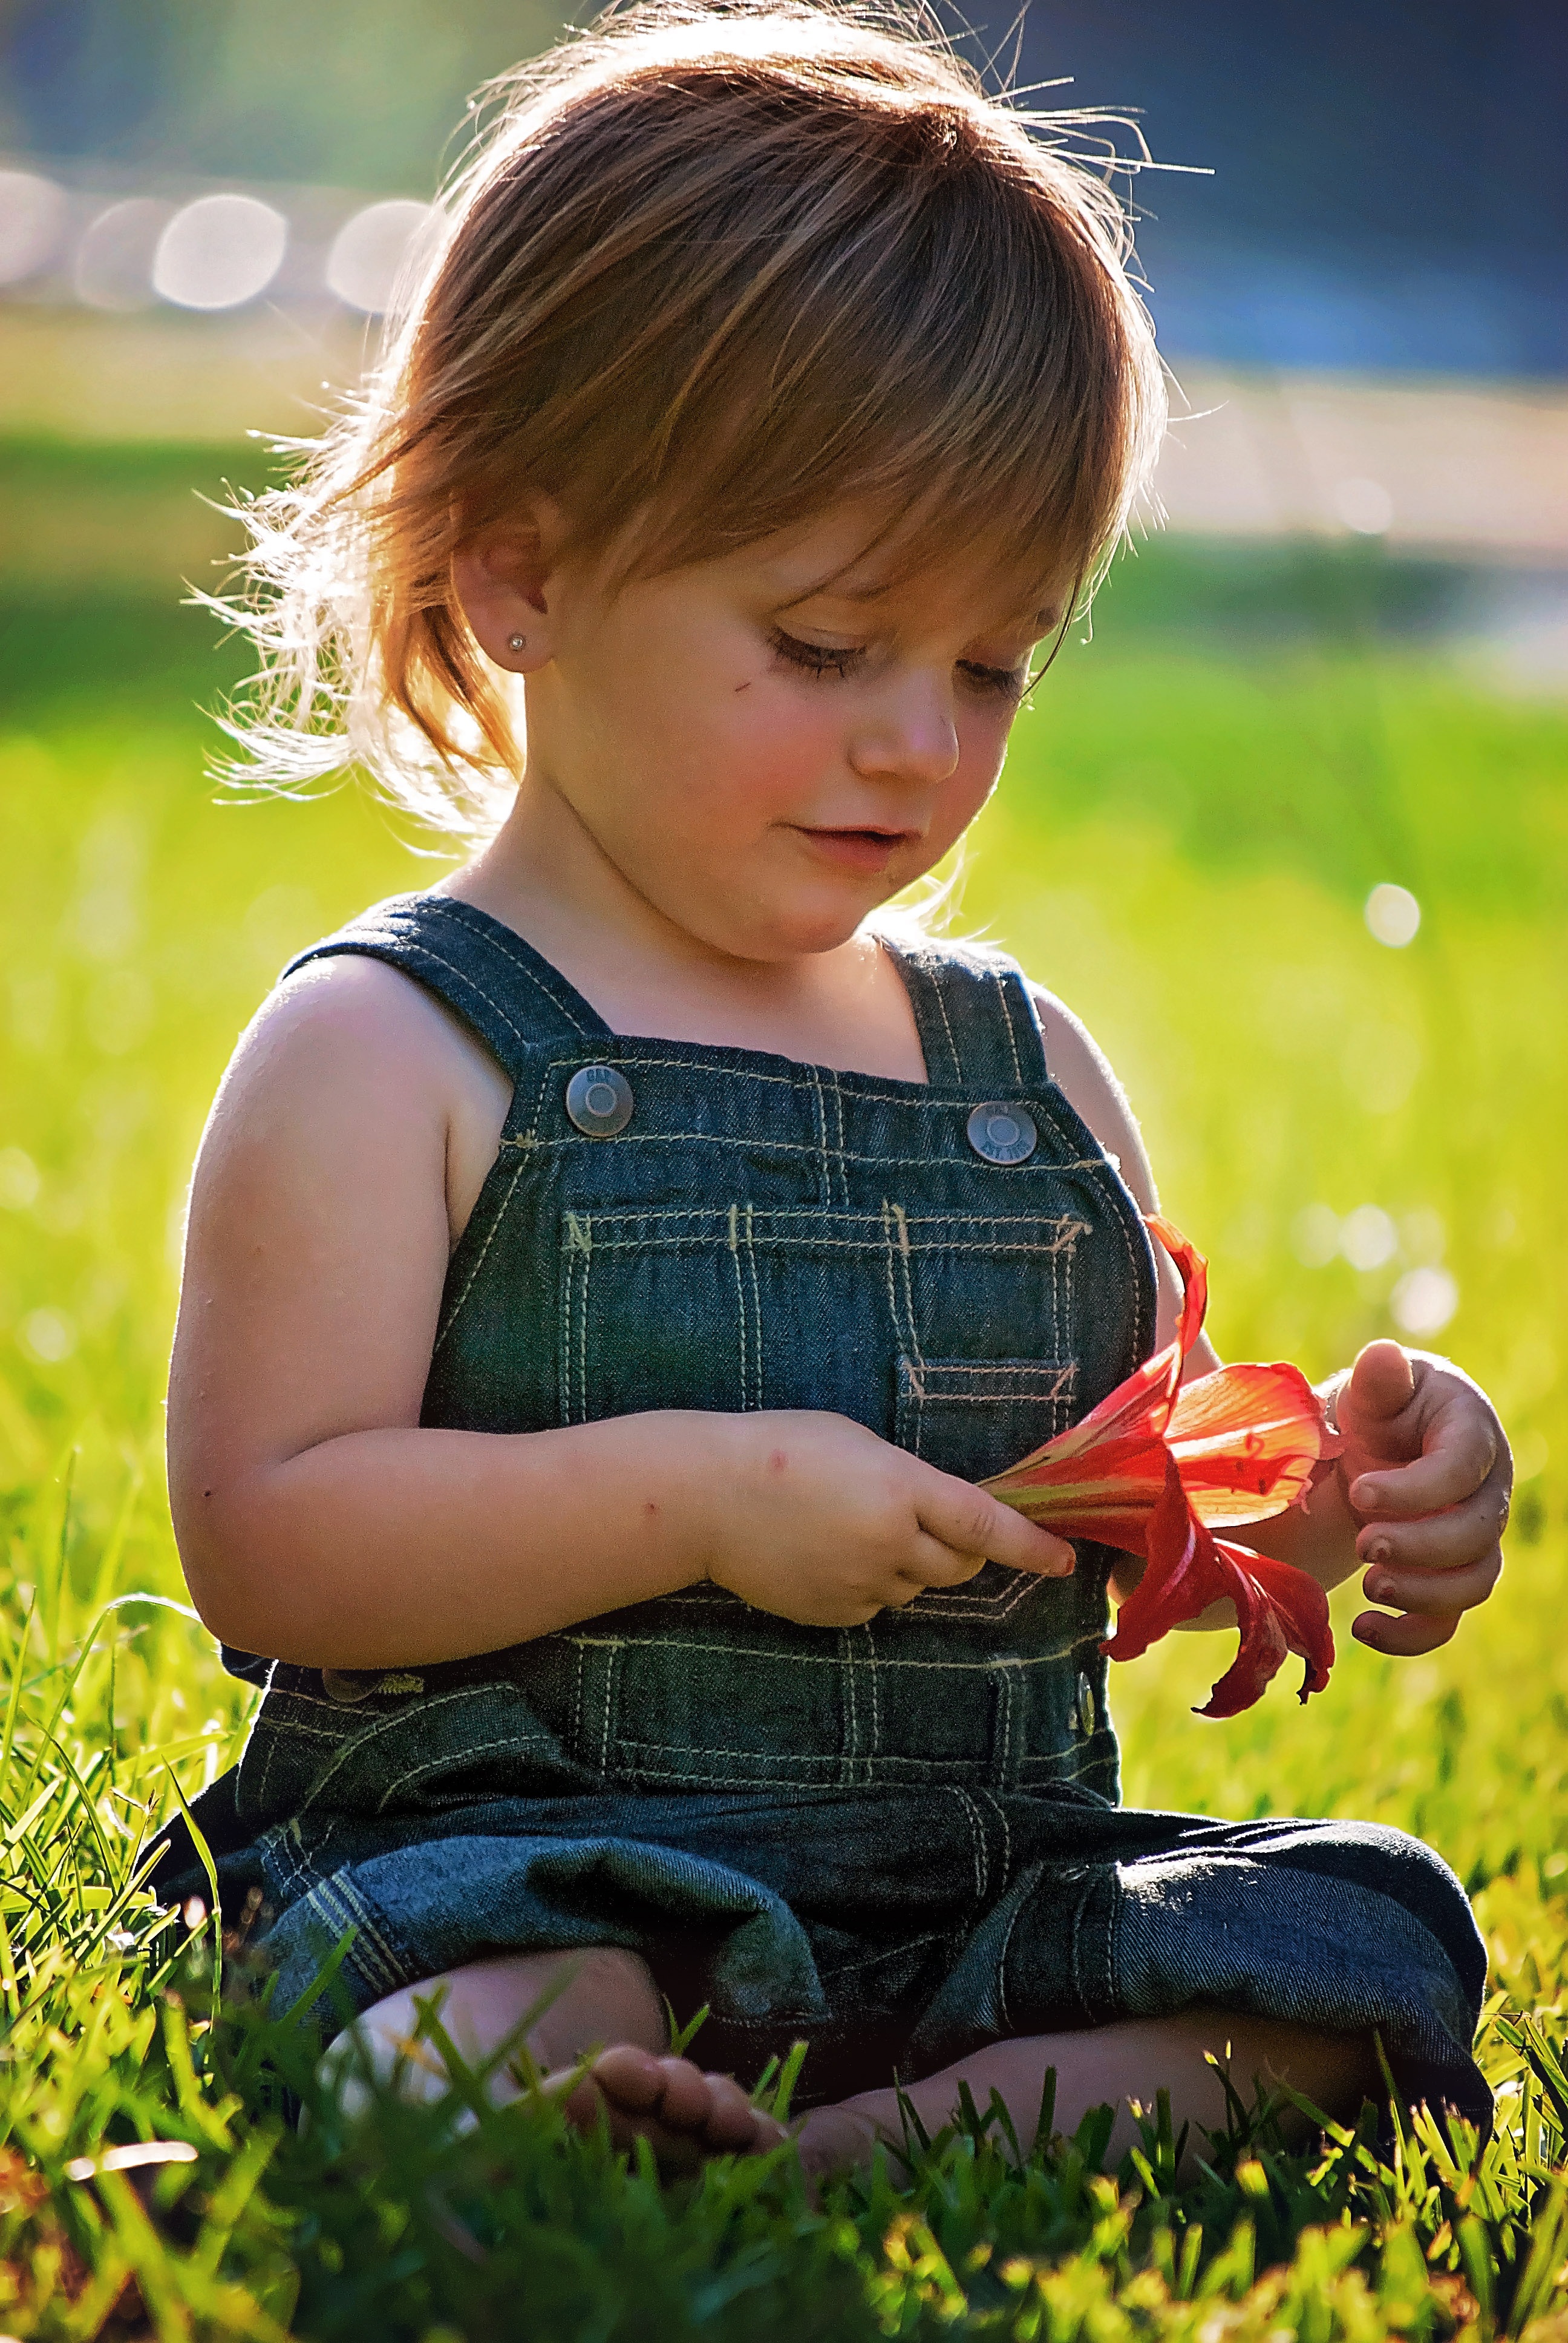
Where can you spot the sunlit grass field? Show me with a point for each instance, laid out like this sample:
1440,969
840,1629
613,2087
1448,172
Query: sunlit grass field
1194,813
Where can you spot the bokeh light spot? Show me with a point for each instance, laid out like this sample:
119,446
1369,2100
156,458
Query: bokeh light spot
19,1181
1424,1301
32,222
369,250
1316,1233
1393,916
49,1334
1363,505
1368,1237
219,251
114,265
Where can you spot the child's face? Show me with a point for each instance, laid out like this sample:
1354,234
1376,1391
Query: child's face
765,757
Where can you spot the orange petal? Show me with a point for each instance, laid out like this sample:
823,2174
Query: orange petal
1246,1439
1193,1271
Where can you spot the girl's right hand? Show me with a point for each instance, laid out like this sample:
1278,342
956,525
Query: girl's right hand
819,1520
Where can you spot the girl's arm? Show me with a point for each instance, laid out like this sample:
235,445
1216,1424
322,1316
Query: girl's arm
1421,1494
319,1521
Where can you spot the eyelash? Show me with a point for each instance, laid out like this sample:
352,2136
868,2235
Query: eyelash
820,659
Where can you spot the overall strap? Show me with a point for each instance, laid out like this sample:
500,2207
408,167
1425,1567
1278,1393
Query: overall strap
484,972
977,1019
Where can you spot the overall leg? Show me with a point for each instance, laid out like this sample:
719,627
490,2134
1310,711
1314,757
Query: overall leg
600,2002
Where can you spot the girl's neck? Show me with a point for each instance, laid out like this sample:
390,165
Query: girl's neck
846,1007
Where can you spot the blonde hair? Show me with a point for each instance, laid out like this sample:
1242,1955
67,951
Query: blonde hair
709,270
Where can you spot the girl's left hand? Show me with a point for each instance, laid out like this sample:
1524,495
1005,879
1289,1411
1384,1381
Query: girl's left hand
1427,1474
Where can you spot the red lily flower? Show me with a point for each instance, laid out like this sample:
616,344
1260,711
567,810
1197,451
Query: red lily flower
1157,1467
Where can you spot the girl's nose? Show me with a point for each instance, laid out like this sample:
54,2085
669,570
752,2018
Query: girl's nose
909,735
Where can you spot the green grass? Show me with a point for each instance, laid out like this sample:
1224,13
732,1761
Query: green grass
1193,814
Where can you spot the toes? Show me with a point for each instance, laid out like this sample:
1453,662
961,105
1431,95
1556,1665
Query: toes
687,2099
732,2121
631,2079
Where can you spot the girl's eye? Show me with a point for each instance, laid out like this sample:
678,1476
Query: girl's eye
1009,683
814,659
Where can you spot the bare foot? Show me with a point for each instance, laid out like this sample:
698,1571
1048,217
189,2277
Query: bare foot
685,2115
841,2139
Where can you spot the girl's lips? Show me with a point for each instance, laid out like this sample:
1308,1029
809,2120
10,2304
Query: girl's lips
866,851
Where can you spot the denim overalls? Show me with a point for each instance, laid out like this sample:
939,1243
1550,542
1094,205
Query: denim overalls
900,1840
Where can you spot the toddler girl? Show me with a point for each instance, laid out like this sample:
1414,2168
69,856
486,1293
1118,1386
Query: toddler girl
611,1270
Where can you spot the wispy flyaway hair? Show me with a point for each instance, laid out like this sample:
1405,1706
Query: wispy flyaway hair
710,272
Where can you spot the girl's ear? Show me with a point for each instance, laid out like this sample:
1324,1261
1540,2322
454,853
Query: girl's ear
504,577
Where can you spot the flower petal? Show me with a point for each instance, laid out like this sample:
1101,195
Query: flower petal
1246,1439
1279,1609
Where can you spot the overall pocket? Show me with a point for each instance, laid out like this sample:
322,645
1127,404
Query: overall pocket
738,1308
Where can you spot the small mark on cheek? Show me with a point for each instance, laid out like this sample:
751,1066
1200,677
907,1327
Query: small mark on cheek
778,1461
744,686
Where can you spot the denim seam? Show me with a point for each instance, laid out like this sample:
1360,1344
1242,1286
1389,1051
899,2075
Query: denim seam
830,1973
370,1953
873,1684
501,944
749,1143
979,1851
839,1148
418,947
469,1750
1005,1008
1003,2012
450,1316
383,1725
824,1660
992,1800
1058,1232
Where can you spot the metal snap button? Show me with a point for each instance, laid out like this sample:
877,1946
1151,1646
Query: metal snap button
1002,1134
600,1100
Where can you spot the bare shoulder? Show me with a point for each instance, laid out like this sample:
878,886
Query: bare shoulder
347,1054
1081,1068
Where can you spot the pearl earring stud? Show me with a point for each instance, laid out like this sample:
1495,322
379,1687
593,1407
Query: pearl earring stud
516,643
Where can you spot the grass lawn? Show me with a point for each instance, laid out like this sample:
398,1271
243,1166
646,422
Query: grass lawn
1193,814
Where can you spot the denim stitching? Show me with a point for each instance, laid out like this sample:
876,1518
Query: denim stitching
756,1300
451,1316
795,1659
839,1152
611,1671
851,1717
502,944
979,1856
1003,2012
453,1758
383,1725
938,993
995,979
992,1800
740,1299
831,1971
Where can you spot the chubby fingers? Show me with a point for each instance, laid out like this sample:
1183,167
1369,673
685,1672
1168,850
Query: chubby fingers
1407,1637
975,1527
1465,1533
1459,1458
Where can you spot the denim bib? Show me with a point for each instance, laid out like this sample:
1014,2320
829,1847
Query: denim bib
955,1264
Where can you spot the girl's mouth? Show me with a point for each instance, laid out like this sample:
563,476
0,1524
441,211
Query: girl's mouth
864,850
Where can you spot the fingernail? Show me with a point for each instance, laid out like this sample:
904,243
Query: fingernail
1380,1550
1378,1590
